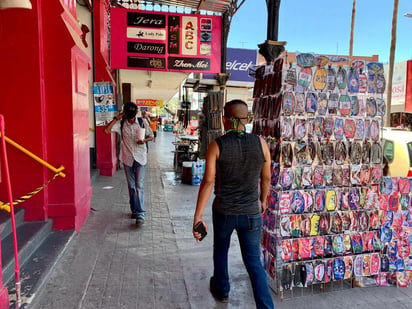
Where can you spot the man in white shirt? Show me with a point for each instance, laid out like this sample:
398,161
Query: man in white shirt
133,154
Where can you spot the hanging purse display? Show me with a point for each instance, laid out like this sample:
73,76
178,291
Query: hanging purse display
331,78
334,212
353,81
319,78
300,103
311,103
341,78
288,103
322,103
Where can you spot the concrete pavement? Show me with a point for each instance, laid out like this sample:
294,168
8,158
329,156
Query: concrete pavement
113,264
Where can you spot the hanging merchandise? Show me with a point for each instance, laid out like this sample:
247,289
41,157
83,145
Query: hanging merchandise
319,78
332,215
353,81
331,78
341,78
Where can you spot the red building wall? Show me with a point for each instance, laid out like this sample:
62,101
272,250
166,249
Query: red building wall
408,92
106,143
45,103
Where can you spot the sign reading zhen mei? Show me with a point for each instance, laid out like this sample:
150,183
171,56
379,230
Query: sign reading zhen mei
144,40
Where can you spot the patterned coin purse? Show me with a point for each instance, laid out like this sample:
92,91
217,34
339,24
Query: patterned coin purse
338,269
353,81
341,78
311,103
288,103
331,78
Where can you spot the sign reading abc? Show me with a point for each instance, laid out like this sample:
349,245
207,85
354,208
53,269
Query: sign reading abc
146,40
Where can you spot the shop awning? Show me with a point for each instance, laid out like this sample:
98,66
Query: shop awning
217,6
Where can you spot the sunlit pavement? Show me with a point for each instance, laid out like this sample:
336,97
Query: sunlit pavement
112,263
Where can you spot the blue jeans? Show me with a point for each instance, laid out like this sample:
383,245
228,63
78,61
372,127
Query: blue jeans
135,183
248,228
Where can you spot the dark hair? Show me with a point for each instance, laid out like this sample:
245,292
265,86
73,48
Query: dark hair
232,103
130,110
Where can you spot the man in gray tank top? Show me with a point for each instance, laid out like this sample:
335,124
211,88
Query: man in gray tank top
238,166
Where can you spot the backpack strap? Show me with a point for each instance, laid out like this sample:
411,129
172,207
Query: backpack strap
121,126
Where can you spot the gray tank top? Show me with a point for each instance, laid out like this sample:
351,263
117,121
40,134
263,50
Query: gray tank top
237,174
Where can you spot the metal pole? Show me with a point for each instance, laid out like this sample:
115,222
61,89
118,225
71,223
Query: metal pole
273,19
391,62
352,27
12,217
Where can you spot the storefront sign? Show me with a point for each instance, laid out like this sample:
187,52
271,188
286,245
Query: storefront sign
146,48
146,62
398,85
238,62
149,102
189,64
143,19
104,104
148,34
165,41
174,35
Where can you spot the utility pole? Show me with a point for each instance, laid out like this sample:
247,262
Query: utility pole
391,63
352,27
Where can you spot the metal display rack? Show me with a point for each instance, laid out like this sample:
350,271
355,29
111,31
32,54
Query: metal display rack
325,224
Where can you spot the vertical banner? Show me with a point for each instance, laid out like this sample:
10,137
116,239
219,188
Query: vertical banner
105,107
174,35
189,35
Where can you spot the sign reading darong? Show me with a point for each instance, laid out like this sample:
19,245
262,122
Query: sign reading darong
144,40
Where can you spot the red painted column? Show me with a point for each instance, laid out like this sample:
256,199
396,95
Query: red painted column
66,66
105,143
44,84
408,92
22,104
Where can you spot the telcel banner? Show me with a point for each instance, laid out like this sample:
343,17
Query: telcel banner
238,62
146,40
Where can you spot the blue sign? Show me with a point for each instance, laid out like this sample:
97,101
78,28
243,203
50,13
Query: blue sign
238,62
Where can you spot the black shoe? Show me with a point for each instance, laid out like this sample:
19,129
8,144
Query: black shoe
139,221
133,215
224,298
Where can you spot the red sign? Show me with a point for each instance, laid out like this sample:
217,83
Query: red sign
146,40
149,102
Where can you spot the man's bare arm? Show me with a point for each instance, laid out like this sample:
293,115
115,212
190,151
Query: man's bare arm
265,175
206,186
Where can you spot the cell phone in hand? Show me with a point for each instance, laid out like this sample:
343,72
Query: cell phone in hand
200,228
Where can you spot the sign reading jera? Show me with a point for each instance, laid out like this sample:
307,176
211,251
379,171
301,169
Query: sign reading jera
143,40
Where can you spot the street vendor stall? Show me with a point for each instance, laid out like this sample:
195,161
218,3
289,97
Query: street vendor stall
186,149
332,218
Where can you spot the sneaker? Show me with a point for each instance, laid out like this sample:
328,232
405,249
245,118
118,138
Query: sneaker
224,298
139,221
133,215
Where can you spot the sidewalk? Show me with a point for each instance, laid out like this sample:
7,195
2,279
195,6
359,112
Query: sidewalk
113,264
